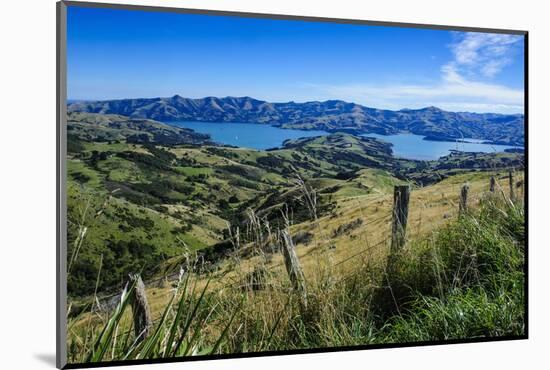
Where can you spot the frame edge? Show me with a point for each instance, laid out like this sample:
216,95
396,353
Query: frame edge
61,112
61,148
166,8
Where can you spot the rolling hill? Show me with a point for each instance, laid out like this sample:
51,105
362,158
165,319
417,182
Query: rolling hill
112,127
331,115
141,203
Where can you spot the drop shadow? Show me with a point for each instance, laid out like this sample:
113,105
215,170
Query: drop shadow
46,358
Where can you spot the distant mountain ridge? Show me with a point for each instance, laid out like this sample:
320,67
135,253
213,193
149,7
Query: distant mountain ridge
330,115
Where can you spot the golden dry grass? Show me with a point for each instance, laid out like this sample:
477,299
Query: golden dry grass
430,207
335,255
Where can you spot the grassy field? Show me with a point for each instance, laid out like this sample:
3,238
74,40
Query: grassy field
441,290
205,226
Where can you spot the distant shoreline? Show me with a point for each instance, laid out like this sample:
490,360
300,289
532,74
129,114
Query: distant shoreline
356,132
486,142
329,116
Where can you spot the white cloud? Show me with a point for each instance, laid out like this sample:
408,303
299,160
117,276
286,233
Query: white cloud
463,84
483,53
493,67
452,93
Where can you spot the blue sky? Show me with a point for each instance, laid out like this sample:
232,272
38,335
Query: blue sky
116,54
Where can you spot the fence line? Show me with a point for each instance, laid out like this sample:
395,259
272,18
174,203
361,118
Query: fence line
368,249
466,200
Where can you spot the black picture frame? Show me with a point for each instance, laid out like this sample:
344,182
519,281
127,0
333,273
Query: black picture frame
61,217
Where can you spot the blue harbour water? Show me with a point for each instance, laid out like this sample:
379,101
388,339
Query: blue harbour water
263,136
412,146
247,135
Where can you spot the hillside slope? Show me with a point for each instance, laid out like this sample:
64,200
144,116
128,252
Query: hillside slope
113,127
194,217
144,204
331,115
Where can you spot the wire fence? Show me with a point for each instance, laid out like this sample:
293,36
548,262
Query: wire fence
241,279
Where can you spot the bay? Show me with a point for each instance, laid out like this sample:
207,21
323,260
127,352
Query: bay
412,146
247,135
263,136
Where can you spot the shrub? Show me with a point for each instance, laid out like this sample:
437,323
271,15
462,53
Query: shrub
467,282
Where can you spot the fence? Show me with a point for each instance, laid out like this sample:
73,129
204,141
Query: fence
400,219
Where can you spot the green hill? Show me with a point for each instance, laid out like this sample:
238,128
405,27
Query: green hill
146,202
330,115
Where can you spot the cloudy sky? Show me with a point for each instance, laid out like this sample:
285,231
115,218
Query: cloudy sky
128,54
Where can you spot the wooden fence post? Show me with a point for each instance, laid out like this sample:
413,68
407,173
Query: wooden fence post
293,267
401,194
511,180
492,184
463,206
143,323
520,189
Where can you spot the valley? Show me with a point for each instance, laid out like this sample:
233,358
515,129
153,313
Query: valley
204,225
244,185
147,192
330,116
